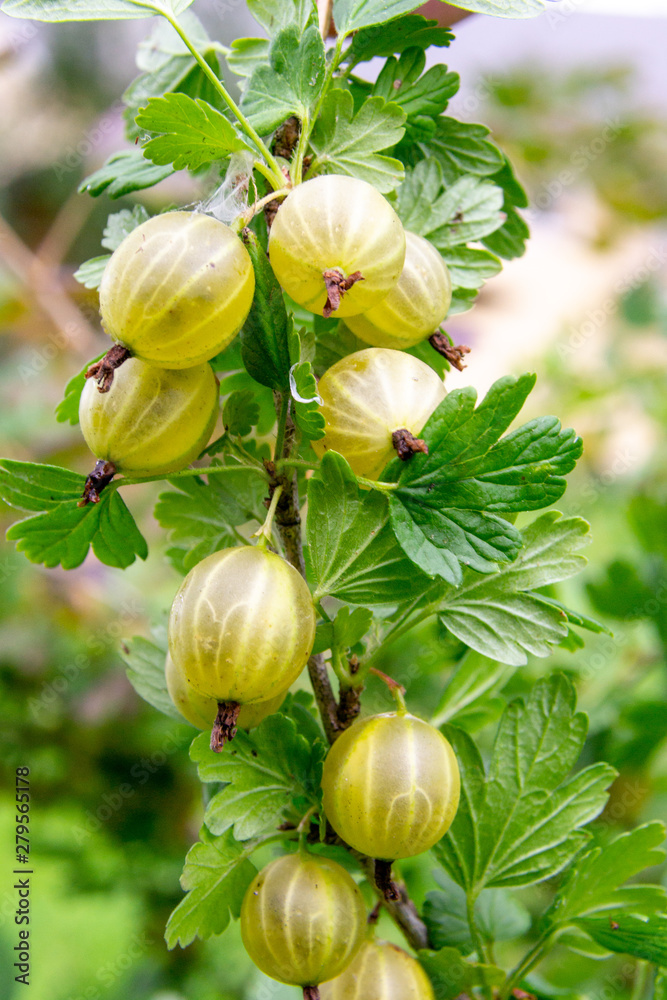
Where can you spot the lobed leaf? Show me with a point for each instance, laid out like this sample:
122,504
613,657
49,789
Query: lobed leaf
452,976
192,132
124,173
643,937
67,410
499,916
145,665
395,37
91,10
265,334
91,272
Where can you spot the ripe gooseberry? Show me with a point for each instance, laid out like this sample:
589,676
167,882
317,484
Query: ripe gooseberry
152,420
177,290
380,971
303,920
368,396
201,711
336,245
415,306
391,786
242,626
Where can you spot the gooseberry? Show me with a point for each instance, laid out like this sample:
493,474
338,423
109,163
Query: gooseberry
367,397
242,625
391,786
152,420
303,919
201,711
380,971
177,290
415,306
336,245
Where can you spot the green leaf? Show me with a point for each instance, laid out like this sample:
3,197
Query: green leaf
240,412
145,662
509,240
503,8
121,224
594,884
345,143
474,681
497,616
201,519
31,486
402,82
191,132
347,629
306,401
446,507
246,54
351,15
469,267
522,822
351,550
643,937
265,771
265,334
462,148
622,593
90,273
67,410
91,10
452,976
290,84
499,916
124,173
64,534
275,15
216,876
395,37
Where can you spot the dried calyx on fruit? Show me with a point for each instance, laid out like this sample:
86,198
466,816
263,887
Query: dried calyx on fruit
336,245
177,290
152,421
415,306
375,402
241,629
303,920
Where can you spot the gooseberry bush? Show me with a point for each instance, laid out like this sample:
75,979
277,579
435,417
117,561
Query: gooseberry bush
349,501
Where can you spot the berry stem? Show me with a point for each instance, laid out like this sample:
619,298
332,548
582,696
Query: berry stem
263,534
397,690
276,177
311,993
384,882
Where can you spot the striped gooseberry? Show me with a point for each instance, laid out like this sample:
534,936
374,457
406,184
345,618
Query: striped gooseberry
303,920
391,786
415,306
201,711
370,395
380,971
177,290
152,420
336,245
242,625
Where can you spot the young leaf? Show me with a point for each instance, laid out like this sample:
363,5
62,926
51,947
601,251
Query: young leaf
121,224
351,551
145,662
91,10
265,334
347,628
413,31
451,976
276,15
264,772
201,519
216,876
522,823
290,84
306,401
191,133
497,616
124,173
67,410
345,143
643,937
240,412
90,273
443,509
595,884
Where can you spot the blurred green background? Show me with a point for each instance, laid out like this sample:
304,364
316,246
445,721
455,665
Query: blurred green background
116,803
